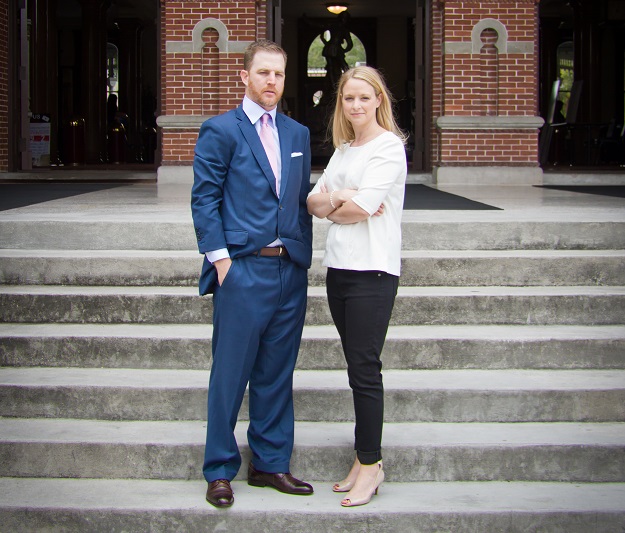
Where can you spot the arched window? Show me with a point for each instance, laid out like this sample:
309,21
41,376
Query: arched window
317,62
565,73
112,69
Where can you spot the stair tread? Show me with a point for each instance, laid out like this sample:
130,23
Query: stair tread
477,332
488,381
315,435
318,292
127,495
193,254
108,253
126,214
496,280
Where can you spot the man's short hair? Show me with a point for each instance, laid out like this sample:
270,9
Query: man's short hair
264,45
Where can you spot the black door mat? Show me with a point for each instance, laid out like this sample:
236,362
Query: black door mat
423,197
14,195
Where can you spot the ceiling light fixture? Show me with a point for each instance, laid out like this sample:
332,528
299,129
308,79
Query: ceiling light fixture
335,9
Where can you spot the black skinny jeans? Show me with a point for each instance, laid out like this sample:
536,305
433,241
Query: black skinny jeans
361,303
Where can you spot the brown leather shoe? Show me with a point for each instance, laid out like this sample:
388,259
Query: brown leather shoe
219,493
284,482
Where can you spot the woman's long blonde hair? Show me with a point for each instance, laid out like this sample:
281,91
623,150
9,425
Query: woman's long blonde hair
342,130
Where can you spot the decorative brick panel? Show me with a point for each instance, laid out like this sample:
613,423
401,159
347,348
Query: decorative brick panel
4,86
436,31
201,60
488,68
483,65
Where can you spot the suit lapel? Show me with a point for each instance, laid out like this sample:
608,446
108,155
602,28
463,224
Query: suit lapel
253,140
286,146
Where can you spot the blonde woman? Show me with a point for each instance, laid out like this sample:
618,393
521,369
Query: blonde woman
362,192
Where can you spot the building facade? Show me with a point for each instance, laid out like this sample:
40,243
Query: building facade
113,83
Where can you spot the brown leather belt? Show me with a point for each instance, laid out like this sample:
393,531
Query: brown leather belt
274,251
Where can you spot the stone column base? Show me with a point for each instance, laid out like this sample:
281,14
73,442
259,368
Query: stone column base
487,175
175,174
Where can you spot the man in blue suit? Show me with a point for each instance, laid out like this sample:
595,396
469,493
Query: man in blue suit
252,224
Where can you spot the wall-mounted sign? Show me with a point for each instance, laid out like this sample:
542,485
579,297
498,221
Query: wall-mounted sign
40,139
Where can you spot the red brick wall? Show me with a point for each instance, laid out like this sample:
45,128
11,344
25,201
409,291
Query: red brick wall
208,82
488,83
464,84
4,86
488,148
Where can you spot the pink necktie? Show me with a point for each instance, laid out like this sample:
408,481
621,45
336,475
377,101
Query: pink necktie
266,137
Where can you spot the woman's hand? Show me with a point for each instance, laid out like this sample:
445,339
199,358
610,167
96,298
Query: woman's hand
339,196
326,203
343,195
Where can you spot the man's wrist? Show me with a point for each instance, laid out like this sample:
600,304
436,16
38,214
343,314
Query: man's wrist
215,255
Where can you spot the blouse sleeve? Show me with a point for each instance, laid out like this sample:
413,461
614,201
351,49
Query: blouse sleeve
381,173
317,188
324,180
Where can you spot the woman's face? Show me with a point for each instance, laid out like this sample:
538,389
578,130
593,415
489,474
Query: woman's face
359,103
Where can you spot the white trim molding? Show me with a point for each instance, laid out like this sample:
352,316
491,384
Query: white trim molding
489,123
475,45
484,24
181,122
224,45
487,175
174,174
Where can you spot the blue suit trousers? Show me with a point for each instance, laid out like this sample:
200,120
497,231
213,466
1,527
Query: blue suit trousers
258,317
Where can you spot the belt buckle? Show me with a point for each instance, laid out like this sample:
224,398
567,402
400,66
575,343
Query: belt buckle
279,251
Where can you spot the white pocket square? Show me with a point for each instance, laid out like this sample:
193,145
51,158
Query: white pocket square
296,154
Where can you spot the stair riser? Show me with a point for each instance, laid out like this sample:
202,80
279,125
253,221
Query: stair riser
509,271
416,235
565,463
316,354
508,236
604,309
319,405
194,520
107,271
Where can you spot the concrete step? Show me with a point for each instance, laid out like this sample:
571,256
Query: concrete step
588,305
179,346
410,396
184,346
102,505
471,231
561,452
589,177
419,268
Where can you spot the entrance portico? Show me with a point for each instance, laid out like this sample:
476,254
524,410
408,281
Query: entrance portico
475,81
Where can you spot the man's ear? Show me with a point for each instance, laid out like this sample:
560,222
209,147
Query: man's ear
245,76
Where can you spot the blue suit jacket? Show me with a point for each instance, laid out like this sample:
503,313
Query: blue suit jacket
234,202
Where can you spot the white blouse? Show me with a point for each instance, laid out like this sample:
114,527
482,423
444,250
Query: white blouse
377,170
